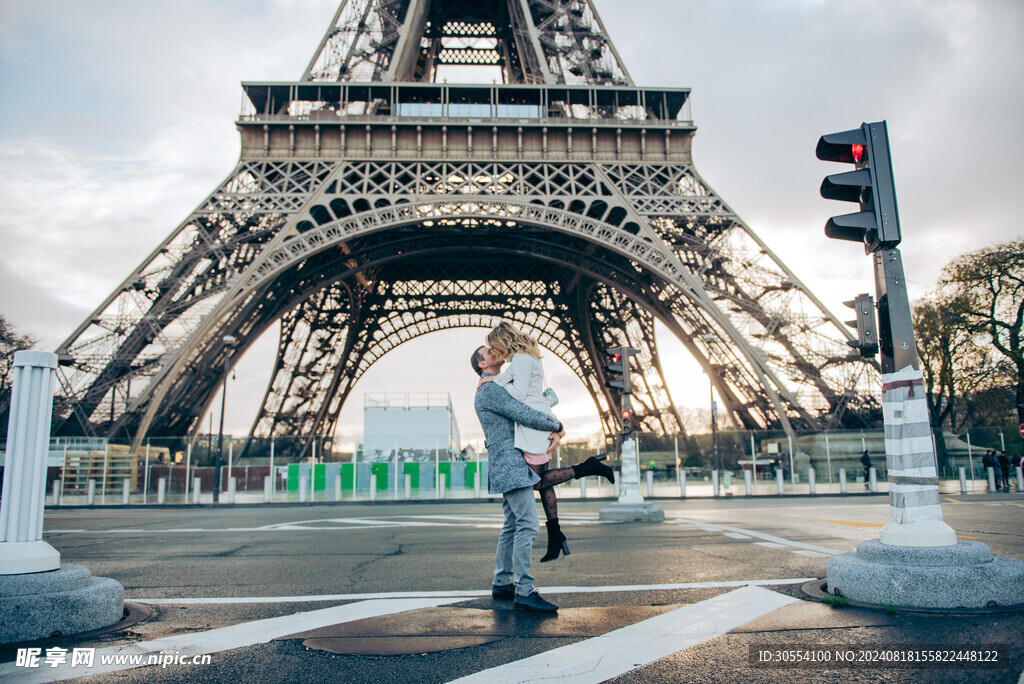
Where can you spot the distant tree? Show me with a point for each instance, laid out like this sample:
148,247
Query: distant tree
985,291
10,342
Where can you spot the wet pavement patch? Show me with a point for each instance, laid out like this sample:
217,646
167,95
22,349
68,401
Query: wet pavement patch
431,630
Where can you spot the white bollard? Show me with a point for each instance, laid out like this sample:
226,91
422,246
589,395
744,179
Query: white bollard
991,479
373,487
266,489
682,484
810,479
337,487
443,486
22,549
126,490
780,481
583,488
748,482
873,479
714,482
650,483
161,489
58,485
476,484
1020,479
197,486
842,480
90,492
618,483
408,486
302,488
232,486
963,480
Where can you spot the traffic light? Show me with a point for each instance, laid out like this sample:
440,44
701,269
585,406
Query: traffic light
617,371
877,224
627,416
865,324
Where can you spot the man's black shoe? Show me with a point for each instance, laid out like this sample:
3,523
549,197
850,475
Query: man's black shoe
535,603
503,592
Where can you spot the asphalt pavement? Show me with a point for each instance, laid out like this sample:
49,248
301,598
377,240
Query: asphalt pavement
726,589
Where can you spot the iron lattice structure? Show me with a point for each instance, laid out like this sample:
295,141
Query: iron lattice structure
373,204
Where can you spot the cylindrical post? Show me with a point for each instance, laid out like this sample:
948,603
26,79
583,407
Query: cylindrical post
753,456
970,456
650,483
266,489
748,482
828,456
145,477
161,489
408,486
842,480
58,485
197,486
476,483
1020,480
126,491
682,484
617,487
273,475
106,464
90,495
583,488
373,486
963,480
188,466
810,479
302,488
873,479
232,488
714,483
780,481
337,487
991,478
443,485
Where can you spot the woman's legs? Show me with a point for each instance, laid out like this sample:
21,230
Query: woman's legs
546,486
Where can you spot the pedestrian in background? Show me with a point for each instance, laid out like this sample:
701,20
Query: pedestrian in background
865,460
989,461
1004,466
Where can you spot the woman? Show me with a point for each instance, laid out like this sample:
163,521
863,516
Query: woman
524,381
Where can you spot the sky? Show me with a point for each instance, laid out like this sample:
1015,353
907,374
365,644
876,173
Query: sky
117,119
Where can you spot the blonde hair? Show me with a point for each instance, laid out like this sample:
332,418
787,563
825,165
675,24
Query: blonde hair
505,342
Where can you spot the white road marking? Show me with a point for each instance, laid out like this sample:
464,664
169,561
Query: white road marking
760,535
622,650
811,554
770,545
737,535
463,595
222,639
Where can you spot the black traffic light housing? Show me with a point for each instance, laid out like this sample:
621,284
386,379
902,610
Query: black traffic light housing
865,324
870,185
618,378
627,416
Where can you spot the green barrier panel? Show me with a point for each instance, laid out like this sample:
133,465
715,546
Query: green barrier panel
446,469
470,472
319,476
293,477
348,471
381,471
413,471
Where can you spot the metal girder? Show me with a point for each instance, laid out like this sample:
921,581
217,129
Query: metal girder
325,233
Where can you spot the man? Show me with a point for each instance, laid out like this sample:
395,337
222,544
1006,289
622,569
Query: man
509,475
865,460
1004,470
988,461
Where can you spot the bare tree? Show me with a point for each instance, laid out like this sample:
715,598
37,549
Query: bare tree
10,342
985,290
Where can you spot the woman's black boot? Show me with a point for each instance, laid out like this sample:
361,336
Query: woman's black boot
593,466
556,541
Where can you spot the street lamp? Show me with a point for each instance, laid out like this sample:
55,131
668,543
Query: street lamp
716,462
229,341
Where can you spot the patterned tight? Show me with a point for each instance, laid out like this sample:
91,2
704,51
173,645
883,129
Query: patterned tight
546,486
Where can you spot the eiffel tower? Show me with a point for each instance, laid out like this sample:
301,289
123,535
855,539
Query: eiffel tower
374,202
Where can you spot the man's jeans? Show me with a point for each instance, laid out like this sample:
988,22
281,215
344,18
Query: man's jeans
515,543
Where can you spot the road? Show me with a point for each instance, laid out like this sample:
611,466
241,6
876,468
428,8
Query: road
400,591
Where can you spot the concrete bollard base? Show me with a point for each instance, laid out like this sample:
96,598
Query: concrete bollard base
966,575
627,512
21,558
65,601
